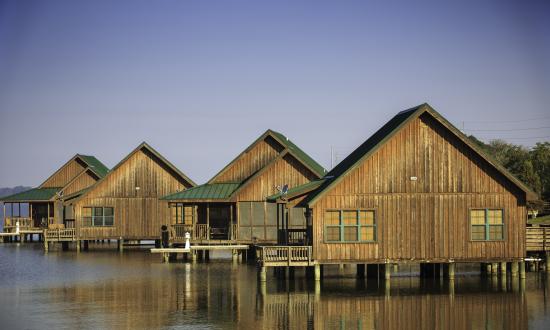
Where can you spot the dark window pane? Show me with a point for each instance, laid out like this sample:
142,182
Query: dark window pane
109,221
478,233
350,234
496,232
333,234
108,211
98,221
98,211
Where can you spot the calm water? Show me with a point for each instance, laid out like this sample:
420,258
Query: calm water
104,289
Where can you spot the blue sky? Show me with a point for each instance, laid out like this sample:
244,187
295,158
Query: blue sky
200,80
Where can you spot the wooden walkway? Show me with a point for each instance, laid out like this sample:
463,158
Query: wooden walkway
200,248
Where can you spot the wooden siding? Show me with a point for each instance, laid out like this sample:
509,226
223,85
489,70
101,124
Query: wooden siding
286,170
65,174
138,213
426,219
83,181
250,162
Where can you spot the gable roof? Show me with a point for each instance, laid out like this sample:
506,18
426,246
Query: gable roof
93,163
32,195
224,191
378,139
90,161
298,153
147,147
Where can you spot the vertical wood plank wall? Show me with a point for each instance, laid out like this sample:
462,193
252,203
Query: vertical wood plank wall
65,174
139,214
427,219
83,181
251,161
286,170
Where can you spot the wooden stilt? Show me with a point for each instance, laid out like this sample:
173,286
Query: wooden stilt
514,268
503,268
317,272
451,271
522,269
263,274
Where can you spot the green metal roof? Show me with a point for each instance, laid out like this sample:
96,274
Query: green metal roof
300,154
32,195
205,191
298,190
95,165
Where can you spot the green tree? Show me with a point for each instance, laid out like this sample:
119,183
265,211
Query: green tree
540,157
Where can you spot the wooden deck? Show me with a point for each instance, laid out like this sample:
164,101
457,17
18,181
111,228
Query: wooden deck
276,256
60,235
537,239
200,248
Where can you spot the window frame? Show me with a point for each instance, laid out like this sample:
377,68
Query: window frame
341,226
487,226
93,217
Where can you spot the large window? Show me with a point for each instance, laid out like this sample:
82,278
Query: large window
98,217
487,224
350,226
183,214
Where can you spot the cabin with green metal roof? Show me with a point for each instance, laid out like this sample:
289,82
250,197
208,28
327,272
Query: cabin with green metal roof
232,205
43,205
416,191
124,204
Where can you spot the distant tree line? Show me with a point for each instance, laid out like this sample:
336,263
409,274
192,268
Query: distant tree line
530,165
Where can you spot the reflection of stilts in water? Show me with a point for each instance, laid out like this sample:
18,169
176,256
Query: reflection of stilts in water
286,310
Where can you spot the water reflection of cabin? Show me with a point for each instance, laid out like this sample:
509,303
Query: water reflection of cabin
42,206
125,205
416,191
232,205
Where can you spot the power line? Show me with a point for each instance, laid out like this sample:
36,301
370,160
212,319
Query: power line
521,138
506,121
506,130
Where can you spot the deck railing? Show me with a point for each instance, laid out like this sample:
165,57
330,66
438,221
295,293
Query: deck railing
60,234
296,236
537,239
24,222
284,254
202,231
180,229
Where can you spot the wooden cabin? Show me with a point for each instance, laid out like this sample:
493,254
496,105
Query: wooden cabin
232,205
416,191
125,205
43,206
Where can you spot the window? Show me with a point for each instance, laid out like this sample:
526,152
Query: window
182,214
98,217
487,224
350,226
